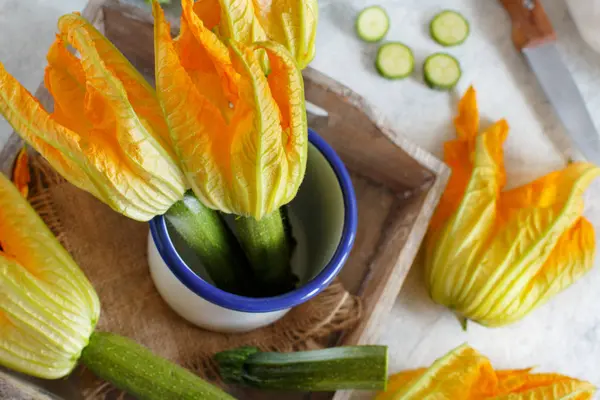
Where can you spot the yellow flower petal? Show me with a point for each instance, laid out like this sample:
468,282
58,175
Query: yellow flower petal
206,60
59,145
115,90
107,134
464,236
512,379
399,382
248,160
48,309
525,239
21,176
461,374
238,22
465,374
292,23
551,387
209,11
195,123
287,89
493,256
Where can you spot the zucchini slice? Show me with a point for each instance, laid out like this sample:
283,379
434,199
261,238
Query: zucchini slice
395,61
441,71
372,24
449,28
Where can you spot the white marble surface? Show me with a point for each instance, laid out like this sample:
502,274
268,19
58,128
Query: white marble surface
562,336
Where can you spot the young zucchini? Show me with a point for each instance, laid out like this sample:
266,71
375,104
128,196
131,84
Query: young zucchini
215,245
441,71
372,24
134,369
339,368
268,246
395,61
449,28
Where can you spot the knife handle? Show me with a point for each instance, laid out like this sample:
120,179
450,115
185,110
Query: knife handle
530,24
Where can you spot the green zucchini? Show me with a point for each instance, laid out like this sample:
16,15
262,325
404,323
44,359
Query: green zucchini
395,61
268,246
339,368
208,236
134,369
372,24
441,71
449,28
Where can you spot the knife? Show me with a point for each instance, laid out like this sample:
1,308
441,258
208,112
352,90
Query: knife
533,35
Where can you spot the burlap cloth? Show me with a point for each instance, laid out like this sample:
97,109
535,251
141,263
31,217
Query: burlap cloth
111,250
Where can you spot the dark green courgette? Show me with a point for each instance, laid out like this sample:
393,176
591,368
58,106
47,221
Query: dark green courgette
208,236
268,246
339,368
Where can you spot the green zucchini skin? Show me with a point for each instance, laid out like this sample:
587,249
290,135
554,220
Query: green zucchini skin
383,56
268,246
216,246
434,82
440,37
372,24
136,370
339,368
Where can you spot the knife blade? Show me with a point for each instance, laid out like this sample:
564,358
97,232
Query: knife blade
534,36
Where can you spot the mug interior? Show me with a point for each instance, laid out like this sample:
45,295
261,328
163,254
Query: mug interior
316,216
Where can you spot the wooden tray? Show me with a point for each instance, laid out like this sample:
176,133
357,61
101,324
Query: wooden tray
397,184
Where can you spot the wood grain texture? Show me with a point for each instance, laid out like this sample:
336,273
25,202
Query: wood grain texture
530,24
397,183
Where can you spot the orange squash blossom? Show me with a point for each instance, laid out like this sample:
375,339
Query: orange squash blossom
241,136
492,255
21,175
107,134
48,309
465,374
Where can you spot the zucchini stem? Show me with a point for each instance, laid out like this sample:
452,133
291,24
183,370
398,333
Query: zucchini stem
339,368
208,236
136,370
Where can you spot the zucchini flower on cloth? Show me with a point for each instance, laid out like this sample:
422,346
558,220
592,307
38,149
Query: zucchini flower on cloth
492,256
107,134
291,23
241,136
48,308
465,374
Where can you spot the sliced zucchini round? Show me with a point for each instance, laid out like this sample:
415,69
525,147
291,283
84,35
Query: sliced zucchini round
395,61
372,24
441,71
449,28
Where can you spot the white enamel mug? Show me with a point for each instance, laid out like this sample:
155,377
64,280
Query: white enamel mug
323,217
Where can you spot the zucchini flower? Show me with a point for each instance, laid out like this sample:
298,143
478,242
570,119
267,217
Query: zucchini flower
466,374
48,309
106,134
291,23
492,256
241,136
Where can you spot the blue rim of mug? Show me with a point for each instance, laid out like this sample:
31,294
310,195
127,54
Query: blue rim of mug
204,289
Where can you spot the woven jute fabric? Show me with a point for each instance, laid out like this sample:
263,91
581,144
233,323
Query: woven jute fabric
111,250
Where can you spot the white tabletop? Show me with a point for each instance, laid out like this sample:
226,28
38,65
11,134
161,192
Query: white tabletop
561,336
